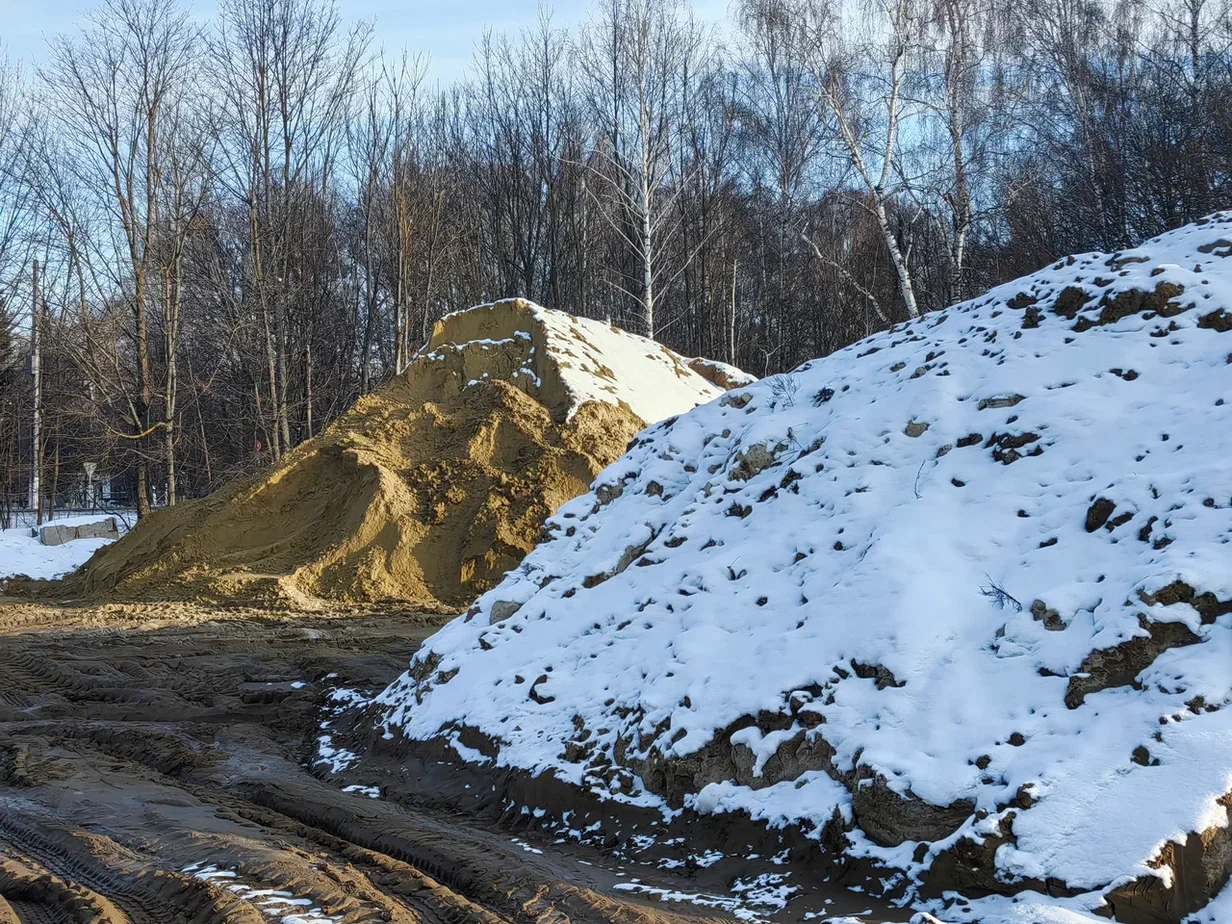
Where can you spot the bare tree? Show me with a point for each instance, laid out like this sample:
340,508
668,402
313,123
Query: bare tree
14,203
110,89
186,188
287,71
862,86
635,52
413,216
787,136
14,194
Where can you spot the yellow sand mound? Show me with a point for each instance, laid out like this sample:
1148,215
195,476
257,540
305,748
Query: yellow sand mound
428,490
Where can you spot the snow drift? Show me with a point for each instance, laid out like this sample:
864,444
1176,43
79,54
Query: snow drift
957,598
428,490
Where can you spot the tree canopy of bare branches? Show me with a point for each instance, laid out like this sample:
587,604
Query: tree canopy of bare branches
244,223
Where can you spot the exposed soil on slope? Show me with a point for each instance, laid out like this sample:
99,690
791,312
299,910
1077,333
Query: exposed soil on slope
401,499
163,763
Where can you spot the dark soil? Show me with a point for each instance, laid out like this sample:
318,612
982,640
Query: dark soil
140,744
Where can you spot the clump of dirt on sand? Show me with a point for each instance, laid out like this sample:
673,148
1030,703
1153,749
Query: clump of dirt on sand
429,489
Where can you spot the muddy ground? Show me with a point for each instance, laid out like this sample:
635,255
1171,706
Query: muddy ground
166,763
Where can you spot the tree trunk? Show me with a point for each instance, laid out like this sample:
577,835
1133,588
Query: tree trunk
36,369
897,258
648,305
272,372
258,271
171,296
961,207
308,388
205,446
55,482
731,319
169,442
284,418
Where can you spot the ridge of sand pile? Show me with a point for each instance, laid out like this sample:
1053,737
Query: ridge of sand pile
429,489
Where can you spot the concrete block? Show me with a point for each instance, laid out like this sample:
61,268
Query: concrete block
57,534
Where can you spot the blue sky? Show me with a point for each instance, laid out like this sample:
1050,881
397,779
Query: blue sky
447,30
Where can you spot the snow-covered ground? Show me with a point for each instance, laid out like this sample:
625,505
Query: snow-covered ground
963,588
22,553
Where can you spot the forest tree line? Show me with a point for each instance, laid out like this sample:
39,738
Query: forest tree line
239,226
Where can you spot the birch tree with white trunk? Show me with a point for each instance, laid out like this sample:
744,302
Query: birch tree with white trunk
861,66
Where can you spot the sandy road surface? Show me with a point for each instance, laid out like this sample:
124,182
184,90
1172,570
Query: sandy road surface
156,765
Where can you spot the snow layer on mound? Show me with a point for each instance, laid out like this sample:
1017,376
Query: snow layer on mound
910,548
721,374
599,362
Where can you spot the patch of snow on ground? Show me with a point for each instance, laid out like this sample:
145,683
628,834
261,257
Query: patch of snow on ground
1219,911
276,904
1024,908
907,553
336,759
769,891
732,906
342,698
23,554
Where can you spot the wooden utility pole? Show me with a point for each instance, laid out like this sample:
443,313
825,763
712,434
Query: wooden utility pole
36,363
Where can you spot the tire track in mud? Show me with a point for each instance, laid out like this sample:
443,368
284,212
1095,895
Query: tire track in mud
31,913
37,894
129,757
143,892
405,888
464,860
84,693
446,871
169,752
442,872
19,685
150,892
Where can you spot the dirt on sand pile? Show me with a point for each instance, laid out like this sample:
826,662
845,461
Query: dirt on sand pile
428,490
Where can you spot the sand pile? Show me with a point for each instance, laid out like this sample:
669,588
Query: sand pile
428,490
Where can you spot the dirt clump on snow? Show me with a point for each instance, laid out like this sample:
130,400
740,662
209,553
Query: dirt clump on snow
721,374
429,489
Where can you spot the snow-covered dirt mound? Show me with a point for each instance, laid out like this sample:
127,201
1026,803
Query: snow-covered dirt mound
956,599
427,490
